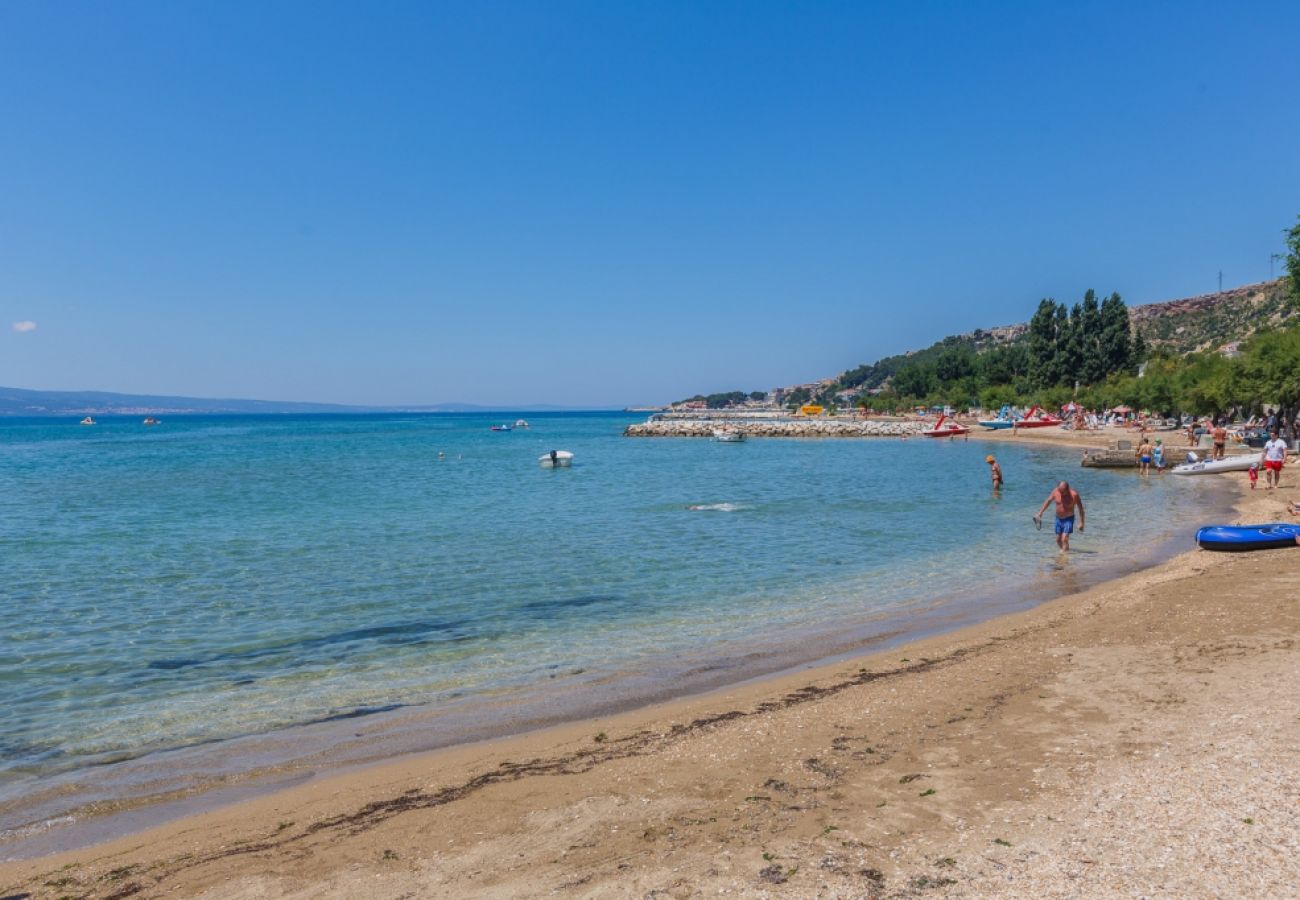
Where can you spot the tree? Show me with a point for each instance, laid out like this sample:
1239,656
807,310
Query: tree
1115,346
1293,260
915,380
954,364
1065,365
1140,349
1270,371
1042,343
1092,366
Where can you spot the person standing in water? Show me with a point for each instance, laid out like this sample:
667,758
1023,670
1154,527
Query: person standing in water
995,471
1067,502
1143,455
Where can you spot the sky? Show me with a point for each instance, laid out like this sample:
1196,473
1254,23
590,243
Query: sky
604,204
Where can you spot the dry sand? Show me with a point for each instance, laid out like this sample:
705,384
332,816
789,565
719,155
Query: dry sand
1138,739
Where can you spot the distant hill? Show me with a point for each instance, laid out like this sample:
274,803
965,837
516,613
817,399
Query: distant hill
21,402
1212,320
1192,324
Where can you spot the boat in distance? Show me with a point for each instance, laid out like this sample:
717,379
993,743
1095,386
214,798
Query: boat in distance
555,459
728,436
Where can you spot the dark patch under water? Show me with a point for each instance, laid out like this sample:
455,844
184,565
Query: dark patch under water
389,635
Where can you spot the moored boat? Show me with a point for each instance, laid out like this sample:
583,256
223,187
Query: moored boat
1211,466
728,435
1037,417
944,428
555,459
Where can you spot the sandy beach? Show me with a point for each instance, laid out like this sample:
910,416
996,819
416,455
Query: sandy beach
1136,739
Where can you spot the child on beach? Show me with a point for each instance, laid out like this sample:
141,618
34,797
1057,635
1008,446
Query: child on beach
1253,474
1158,456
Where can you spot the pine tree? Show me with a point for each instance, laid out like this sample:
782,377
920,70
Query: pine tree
1093,366
1116,347
1063,362
1042,344
1140,349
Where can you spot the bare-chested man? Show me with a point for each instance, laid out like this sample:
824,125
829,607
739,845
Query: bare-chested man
1067,500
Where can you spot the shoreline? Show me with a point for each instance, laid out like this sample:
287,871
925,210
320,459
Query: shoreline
165,785
804,683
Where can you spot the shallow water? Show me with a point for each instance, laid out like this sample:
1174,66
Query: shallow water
214,577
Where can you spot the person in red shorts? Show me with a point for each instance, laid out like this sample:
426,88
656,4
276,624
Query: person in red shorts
1274,457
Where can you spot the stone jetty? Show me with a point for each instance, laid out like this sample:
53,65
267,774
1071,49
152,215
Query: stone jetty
774,427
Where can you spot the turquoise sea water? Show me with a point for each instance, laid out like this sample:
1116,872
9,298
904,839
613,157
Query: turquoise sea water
218,577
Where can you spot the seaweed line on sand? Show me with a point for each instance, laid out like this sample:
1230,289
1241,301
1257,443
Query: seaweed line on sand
575,763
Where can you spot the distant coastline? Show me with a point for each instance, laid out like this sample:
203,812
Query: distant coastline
15,402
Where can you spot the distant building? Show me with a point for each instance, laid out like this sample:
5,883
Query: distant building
1231,350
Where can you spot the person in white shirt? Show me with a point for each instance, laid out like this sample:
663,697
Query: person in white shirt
1274,457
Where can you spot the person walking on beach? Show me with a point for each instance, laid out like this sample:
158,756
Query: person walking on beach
1274,457
1220,439
995,471
1067,501
1143,455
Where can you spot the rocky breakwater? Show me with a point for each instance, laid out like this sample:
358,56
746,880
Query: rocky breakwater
796,428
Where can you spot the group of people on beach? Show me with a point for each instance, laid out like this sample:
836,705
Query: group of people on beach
1068,502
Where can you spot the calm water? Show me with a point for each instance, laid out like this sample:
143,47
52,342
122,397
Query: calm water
225,576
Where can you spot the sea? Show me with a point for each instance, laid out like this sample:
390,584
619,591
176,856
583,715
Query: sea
221,604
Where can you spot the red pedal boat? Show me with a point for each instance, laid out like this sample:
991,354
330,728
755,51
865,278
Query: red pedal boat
945,430
1037,418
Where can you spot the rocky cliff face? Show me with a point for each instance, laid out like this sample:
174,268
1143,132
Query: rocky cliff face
1210,321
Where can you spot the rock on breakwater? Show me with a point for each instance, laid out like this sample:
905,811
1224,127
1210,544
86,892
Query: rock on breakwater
801,428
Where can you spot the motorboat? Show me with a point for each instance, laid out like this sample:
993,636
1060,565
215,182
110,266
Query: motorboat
501,427
88,421
1210,466
150,420
944,428
1037,417
556,459
728,435
521,423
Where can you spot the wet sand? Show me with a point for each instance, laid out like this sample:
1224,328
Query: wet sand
1137,738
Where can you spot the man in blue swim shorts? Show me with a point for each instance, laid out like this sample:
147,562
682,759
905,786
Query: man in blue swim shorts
1067,501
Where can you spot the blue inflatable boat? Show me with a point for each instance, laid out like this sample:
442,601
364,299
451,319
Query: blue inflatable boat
1247,537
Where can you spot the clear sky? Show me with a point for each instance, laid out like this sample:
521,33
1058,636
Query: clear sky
604,203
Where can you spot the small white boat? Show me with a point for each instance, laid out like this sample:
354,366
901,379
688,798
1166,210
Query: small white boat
728,435
521,423
88,421
1210,466
556,459
150,420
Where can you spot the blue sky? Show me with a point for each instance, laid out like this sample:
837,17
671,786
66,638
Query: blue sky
600,204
